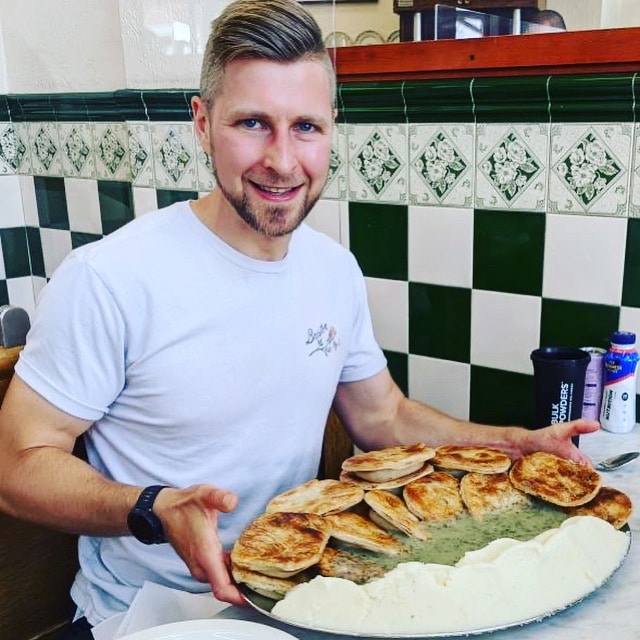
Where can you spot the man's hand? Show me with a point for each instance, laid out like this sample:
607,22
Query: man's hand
190,520
556,438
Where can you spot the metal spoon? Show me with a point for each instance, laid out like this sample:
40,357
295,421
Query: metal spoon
617,461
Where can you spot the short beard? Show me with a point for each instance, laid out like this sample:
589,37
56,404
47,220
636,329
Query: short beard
268,227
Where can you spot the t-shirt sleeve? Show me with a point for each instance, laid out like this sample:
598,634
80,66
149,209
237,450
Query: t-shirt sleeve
365,357
76,347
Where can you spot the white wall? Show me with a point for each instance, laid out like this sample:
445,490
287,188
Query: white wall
620,13
66,45
102,45
163,40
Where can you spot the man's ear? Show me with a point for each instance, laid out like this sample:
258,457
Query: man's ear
201,122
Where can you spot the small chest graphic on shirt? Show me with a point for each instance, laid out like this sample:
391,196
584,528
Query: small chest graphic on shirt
323,340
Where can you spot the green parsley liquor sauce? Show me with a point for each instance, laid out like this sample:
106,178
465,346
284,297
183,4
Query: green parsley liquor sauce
448,542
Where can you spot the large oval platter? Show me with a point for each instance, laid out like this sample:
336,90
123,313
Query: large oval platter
265,605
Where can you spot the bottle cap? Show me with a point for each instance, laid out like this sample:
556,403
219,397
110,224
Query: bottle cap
623,337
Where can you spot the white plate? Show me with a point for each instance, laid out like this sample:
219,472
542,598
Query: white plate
211,630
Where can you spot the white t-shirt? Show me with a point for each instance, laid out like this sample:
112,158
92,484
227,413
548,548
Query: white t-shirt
196,364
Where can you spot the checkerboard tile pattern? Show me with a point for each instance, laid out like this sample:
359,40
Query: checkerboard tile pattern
489,216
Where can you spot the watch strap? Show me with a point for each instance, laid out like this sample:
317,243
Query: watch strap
144,507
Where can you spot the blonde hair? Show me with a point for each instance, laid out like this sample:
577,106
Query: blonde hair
275,30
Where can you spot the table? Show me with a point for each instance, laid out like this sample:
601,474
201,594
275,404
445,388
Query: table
610,612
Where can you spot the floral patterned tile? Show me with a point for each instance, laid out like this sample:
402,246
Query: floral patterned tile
22,139
206,179
441,164
78,158
511,166
13,149
174,155
590,168
336,187
140,154
378,163
111,144
45,147
634,200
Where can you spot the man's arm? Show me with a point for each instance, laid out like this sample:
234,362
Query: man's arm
42,481
377,414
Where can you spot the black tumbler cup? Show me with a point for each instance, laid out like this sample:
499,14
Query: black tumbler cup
559,377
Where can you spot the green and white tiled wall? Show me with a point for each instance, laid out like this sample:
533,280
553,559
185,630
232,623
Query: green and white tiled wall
489,215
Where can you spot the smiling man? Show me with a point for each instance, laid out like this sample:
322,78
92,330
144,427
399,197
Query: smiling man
199,349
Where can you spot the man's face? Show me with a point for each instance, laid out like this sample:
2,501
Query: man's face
269,138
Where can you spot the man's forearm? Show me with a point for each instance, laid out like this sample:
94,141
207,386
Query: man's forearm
51,487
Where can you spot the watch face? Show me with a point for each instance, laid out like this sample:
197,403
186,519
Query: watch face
142,527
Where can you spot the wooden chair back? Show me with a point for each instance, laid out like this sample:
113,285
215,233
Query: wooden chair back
37,565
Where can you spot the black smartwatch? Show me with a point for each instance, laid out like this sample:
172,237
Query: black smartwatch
142,522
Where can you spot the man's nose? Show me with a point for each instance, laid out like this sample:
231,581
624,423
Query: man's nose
280,154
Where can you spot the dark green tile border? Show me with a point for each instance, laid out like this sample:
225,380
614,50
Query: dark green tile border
584,98
373,102
591,98
436,101
511,99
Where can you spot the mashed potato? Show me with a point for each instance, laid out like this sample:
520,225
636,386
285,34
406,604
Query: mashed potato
503,583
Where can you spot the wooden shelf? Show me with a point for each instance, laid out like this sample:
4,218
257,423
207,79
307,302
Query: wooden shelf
579,52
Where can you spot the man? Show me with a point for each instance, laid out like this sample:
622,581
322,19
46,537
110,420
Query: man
200,347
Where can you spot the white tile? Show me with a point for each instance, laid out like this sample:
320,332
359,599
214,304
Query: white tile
630,321
29,203
505,328
21,293
441,246
145,199
11,198
389,304
584,258
38,285
442,384
83,205
56,245
325,217
344,224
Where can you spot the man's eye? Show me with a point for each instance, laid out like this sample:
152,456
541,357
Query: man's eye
251,123
306,127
